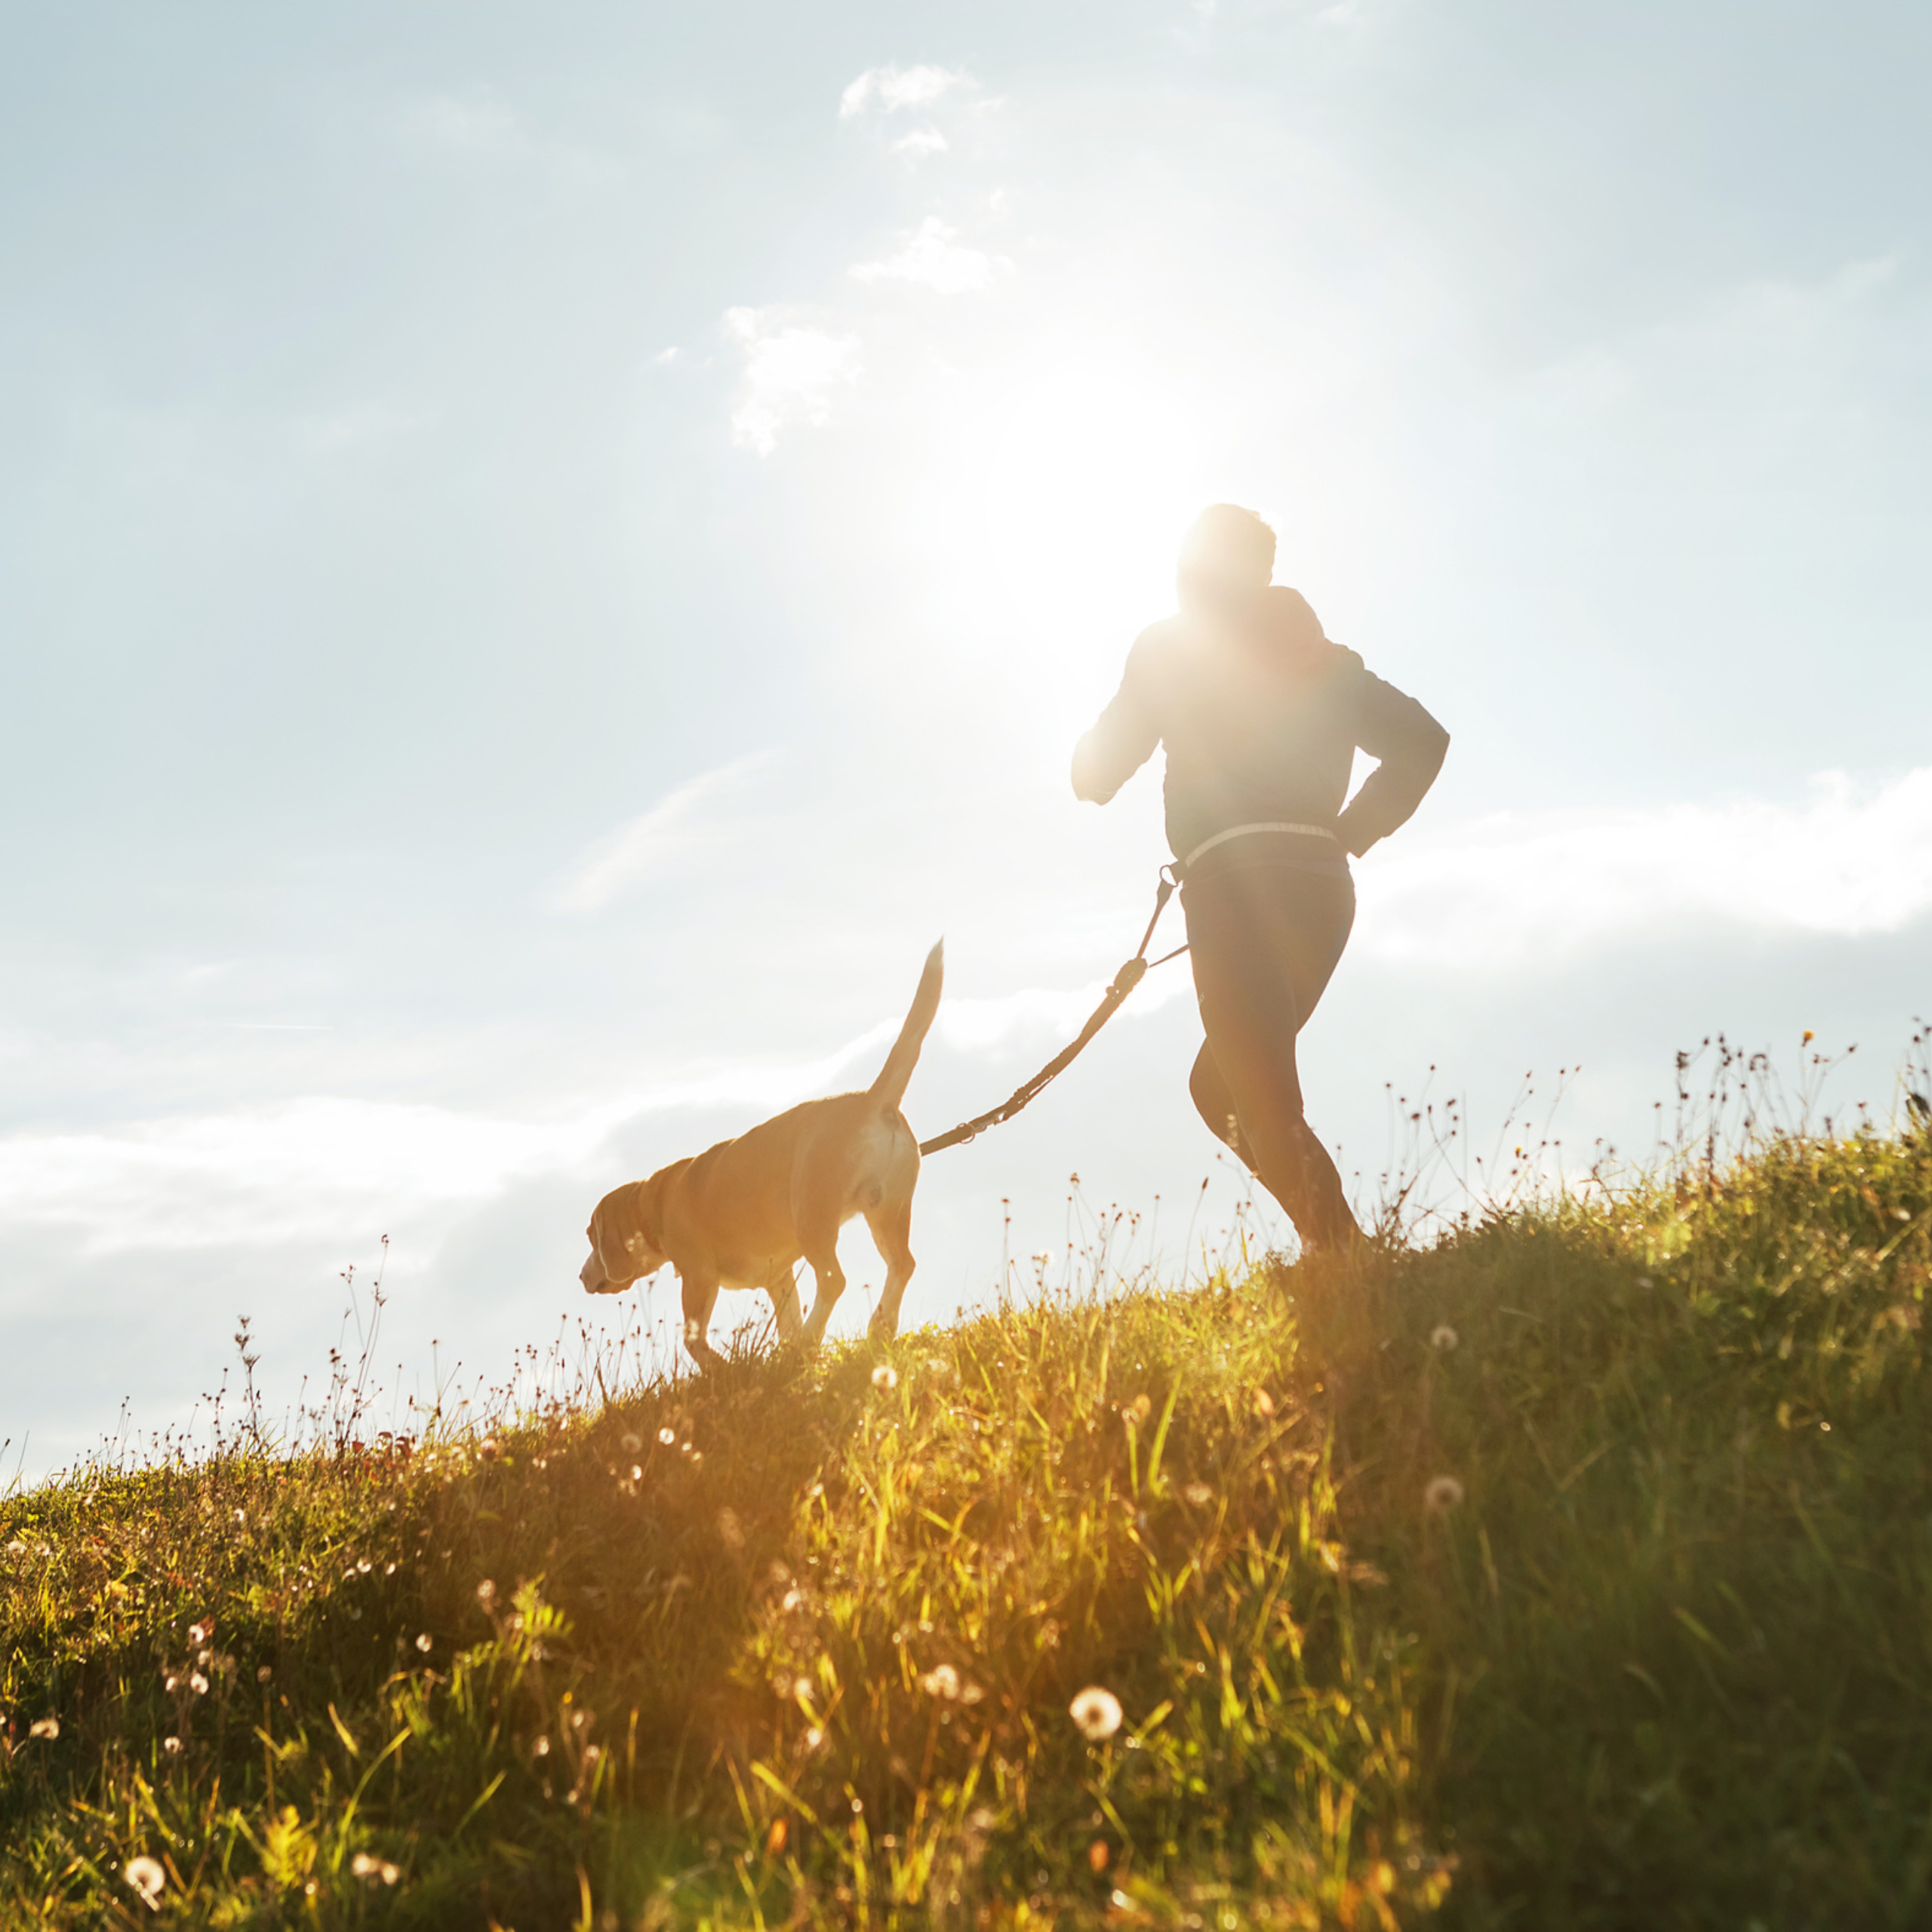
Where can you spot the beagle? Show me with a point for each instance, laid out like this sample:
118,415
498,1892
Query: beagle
742,1214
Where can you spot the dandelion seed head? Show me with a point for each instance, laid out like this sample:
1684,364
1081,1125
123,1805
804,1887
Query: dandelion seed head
885,1376
541,1749
1095,1713
1198,1494
667,1436
1443,1494
632,1442
424,1642
48,1728
172,1746
263,1673
486,1593
1444,1337
147,1877
198,1685
941,1681
199,1634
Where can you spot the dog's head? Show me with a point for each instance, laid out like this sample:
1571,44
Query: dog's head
624,1234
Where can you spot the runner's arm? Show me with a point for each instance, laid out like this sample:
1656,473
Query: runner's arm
1411,746
1122,739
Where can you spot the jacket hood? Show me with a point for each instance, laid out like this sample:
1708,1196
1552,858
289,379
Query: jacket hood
1286,622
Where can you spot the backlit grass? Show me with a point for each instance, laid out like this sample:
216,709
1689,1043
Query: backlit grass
1573,1570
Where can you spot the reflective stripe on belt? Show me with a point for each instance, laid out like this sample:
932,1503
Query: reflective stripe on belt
1242,831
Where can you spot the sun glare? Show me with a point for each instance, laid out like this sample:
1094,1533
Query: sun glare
1047,499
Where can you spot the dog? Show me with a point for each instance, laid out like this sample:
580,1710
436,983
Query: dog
744,1213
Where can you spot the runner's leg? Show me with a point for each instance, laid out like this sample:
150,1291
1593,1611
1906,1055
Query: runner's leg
1311,969
1214,1101
1265,941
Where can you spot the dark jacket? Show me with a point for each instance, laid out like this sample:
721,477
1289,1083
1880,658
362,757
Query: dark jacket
1261,715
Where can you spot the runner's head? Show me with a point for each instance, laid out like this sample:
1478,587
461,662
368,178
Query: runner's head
1227,556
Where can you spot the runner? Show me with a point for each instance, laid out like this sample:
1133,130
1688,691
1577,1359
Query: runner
1261,716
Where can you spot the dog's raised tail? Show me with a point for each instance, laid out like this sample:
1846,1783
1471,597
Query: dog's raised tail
889,1089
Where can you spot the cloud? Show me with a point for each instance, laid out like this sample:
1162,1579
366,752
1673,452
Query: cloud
306,1169
300,1169
1014,1020
933,258
791,372
921,140
671,833
894,88
1531,887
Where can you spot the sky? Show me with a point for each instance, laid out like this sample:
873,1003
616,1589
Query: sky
545,556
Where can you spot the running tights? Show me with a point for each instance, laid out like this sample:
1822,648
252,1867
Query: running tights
1264,938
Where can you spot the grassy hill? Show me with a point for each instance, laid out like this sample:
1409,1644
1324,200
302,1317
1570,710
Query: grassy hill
1574,1571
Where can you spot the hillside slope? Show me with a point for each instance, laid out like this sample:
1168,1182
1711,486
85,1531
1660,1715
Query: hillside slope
1573,1572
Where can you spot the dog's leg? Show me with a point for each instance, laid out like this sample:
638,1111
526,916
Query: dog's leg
891,1228
784,1293
700,1297
821,1247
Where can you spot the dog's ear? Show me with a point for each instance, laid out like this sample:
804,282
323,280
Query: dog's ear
646,1206
624,1229
606,1233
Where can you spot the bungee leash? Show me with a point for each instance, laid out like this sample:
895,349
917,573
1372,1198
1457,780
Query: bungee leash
1129,976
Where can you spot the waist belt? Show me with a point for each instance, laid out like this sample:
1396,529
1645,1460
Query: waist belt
1242,831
